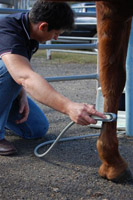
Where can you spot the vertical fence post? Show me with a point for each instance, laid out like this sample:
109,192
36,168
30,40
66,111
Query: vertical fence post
48,51
129,87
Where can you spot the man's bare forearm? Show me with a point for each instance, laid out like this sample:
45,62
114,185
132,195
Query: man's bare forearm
43,92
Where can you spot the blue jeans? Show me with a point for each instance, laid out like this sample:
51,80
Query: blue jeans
36,125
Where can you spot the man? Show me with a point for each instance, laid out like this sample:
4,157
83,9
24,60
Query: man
20,35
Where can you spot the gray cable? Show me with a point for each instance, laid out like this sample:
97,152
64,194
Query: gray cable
54,142
110,117
51,141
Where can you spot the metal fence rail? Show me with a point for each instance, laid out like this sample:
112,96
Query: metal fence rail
72,78
68,46
73,51
11,10
75,39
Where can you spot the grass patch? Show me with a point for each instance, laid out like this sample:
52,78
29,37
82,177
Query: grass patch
61,57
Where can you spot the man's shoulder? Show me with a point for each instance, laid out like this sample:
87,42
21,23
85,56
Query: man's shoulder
11,19
12,23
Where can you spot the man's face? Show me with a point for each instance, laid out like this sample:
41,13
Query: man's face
48,35
40,32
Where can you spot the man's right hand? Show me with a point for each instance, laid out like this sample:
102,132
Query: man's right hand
81,113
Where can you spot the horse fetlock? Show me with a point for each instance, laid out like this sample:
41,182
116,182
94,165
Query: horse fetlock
108,151
114,172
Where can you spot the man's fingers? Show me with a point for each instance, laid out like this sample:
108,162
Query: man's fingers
82,114
23,119
100,114
92,111
86,120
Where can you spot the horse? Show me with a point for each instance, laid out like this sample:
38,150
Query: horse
113,26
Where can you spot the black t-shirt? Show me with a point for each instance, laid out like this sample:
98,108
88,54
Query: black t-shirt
15,36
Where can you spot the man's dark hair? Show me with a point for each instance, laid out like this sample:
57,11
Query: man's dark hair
58,15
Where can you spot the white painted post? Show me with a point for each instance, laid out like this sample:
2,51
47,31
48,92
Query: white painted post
48,51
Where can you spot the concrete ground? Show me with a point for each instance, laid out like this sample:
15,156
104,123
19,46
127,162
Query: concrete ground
70,170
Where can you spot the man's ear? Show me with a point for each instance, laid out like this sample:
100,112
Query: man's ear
43,26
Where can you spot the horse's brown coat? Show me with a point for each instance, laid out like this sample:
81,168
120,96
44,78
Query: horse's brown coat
113,25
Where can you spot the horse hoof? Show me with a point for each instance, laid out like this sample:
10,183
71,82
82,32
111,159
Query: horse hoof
125,177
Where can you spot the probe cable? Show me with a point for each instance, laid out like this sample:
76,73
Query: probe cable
110,118
59,140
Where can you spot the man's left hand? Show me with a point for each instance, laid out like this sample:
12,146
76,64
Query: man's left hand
23,107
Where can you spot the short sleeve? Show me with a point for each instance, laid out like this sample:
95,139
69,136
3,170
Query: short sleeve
12,43
14,36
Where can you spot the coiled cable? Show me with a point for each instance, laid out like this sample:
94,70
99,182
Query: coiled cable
54,142
110,117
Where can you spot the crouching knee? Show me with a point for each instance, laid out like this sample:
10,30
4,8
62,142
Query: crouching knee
38,131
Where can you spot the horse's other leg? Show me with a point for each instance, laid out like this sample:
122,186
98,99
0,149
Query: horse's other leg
113,33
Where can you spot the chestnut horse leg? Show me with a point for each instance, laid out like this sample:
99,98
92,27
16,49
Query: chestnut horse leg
113,33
